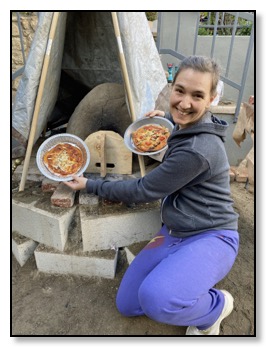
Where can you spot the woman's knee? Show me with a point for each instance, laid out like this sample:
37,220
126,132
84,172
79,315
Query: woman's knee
127,306
122,306
163,307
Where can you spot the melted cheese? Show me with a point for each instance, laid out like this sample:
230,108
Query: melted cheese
63,159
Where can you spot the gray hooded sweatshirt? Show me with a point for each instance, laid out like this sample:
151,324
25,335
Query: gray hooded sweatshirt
192,181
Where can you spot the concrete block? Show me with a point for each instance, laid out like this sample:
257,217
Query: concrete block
133,250
22,248
88,199
250,166
232,175
119,226
41,222
33,173
226,109
242,174
100,264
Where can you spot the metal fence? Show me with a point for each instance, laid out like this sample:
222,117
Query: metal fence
215,28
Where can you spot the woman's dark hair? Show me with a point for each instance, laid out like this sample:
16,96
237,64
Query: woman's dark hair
202,64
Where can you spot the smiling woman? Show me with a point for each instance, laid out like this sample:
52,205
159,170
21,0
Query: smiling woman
199,238
193,89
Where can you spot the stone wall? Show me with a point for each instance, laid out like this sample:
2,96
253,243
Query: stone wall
28,24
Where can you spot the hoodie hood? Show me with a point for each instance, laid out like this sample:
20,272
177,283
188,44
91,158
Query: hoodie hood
207,124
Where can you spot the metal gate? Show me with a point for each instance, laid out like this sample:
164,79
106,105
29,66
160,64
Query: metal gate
199,22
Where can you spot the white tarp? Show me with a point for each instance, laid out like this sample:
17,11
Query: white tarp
24,103
145,70
91,49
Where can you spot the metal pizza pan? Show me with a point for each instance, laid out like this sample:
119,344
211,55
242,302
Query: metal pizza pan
141,122
53,141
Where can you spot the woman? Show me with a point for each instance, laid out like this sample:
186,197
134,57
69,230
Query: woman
172,279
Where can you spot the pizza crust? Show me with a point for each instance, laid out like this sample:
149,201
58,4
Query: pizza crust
63,159
150,137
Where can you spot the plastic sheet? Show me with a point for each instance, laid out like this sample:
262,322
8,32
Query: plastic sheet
86,48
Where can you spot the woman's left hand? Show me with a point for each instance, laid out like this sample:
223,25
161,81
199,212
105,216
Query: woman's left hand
155,113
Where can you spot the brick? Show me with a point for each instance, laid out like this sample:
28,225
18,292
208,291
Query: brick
250,169
49,185
242,174
233,169
63,196
250,166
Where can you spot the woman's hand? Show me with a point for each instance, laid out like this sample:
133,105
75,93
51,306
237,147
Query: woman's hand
78,183
154,113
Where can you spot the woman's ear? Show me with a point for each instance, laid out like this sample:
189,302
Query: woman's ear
211,100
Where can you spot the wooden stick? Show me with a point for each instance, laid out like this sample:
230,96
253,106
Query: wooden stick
126,80
38,101
103,155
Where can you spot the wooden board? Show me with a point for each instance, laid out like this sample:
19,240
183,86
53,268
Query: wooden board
108,154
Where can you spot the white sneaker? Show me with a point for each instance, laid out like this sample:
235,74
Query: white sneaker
215,328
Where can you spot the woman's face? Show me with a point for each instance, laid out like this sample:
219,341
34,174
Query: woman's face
190,96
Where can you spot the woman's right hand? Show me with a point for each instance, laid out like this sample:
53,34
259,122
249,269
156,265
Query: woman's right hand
154,113
78,182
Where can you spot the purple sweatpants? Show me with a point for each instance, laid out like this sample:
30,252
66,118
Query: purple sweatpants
171,280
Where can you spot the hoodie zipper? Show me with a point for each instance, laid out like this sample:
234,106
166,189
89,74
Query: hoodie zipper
162,209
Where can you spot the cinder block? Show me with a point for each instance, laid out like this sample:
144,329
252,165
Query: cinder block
22,248
119,227
133,250
225,109
232,175
33,173
101,263
41,222
88,199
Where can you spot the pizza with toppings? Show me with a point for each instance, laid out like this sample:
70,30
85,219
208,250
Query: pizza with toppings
63,159
150,138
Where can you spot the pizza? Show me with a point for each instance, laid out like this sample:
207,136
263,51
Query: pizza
63,159
150,137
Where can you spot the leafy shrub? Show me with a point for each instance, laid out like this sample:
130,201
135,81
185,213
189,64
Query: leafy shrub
151,16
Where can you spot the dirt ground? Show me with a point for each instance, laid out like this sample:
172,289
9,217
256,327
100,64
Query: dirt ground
50,305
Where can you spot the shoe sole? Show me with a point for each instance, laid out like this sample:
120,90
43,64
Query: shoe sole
229,302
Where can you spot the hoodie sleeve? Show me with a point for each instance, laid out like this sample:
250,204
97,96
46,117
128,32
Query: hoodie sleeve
175,172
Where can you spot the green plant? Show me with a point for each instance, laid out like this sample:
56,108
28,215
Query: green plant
151,16
225,24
